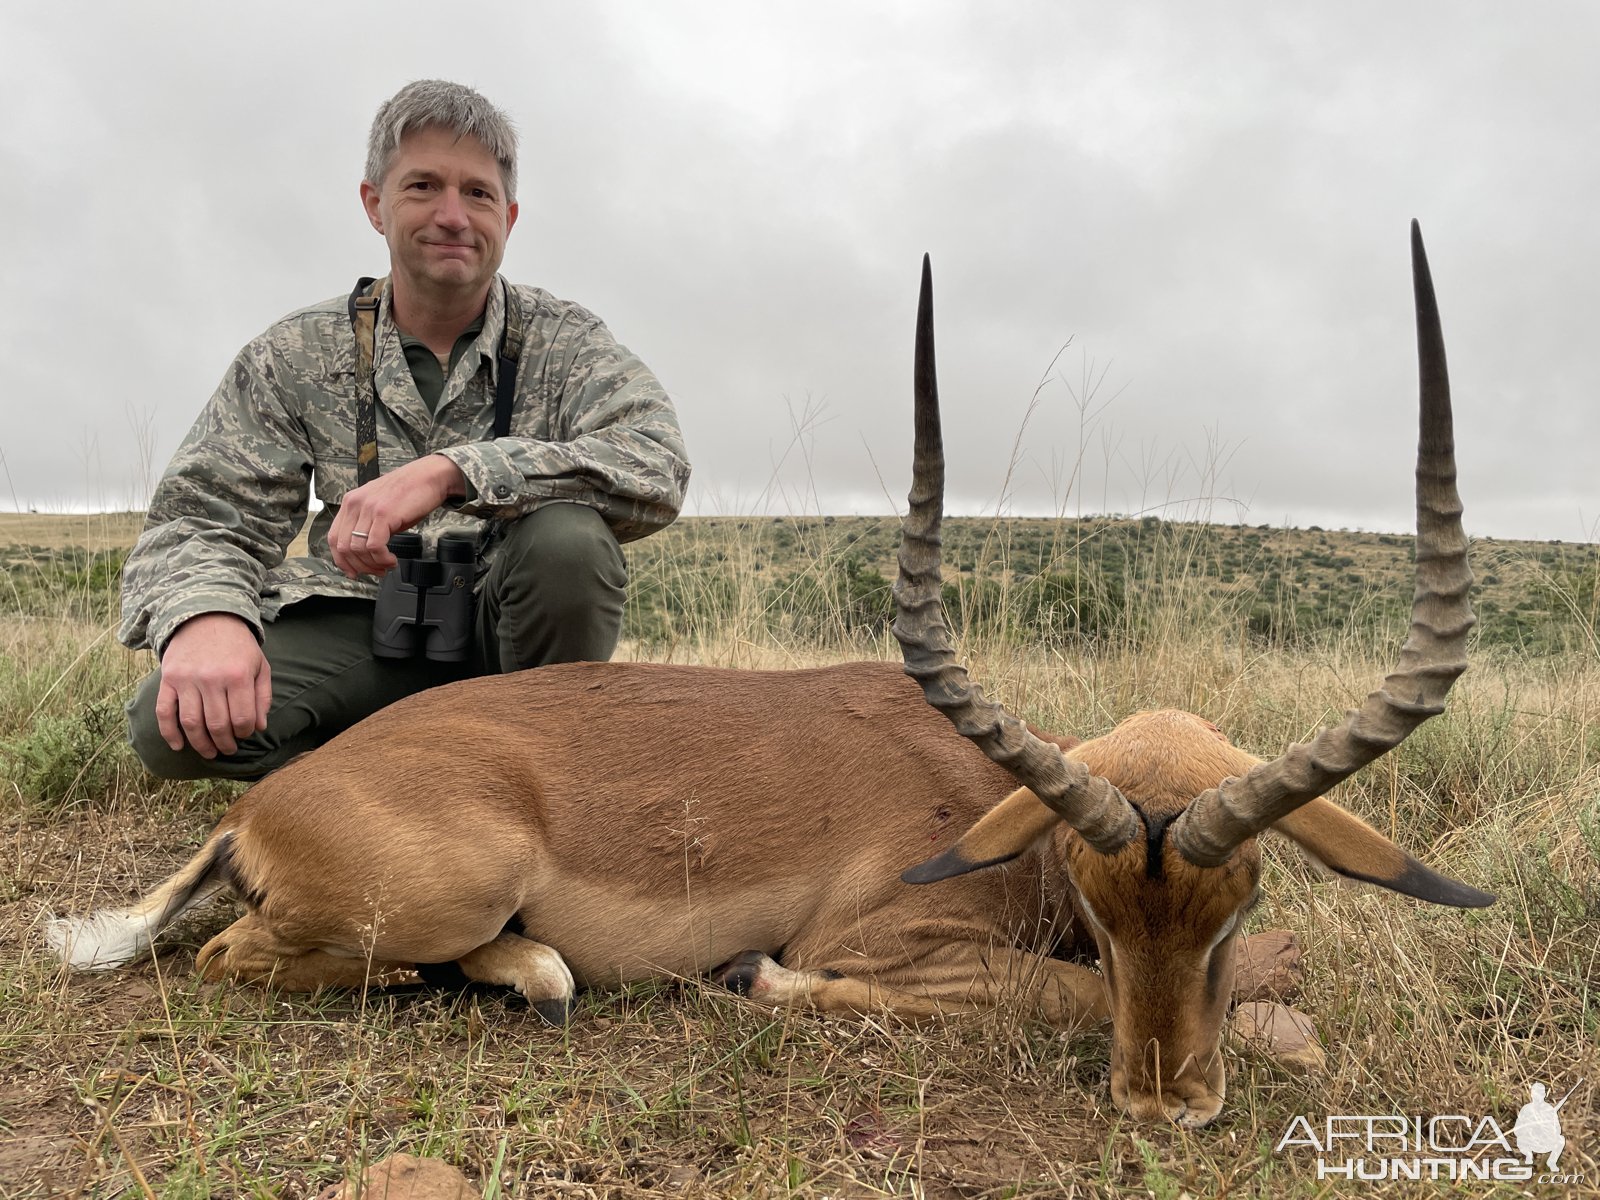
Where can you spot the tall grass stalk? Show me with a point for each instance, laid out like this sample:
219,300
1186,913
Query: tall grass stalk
674,1088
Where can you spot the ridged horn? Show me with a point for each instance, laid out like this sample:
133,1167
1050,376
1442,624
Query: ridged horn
1092,806
1433,656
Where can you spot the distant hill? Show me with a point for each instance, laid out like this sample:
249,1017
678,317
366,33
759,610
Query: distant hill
1285,584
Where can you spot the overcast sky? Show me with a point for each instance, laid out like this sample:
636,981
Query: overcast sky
1208,201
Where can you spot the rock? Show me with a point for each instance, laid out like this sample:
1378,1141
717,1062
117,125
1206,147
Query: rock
1267,966
682,1176
1285,1033
404,1177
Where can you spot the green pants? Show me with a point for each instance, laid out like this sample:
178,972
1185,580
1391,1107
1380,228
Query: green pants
554,594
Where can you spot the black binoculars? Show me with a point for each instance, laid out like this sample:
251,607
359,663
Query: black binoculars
426,603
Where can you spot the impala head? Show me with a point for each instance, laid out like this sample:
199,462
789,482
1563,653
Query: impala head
1157,820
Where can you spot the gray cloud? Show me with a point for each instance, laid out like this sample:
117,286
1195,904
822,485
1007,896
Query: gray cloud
1209,202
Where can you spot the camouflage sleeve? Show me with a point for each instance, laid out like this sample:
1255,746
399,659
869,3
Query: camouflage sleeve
231,501
616,445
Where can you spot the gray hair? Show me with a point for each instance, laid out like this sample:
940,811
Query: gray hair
445,105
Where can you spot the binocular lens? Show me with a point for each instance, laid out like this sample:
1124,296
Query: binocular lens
455,548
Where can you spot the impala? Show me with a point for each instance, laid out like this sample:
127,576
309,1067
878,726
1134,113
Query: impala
595,823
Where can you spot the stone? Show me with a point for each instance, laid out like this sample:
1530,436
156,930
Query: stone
1267,966
404,1177
1284,1033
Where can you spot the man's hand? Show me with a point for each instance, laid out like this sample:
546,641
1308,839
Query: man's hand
216,685
389,504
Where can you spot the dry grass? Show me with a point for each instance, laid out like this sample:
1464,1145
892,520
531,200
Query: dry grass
92,531
145,1082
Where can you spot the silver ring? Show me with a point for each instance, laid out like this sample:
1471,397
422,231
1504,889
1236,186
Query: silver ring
358,535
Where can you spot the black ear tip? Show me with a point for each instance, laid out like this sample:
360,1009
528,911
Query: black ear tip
1422,882
1427,884
941,866
1453,893
948,865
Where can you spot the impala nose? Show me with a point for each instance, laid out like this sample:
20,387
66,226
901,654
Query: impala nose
1192,1098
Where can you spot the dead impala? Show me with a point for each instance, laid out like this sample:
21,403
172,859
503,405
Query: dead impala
596,823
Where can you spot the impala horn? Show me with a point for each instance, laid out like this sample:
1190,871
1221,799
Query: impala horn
1218,821
1091,805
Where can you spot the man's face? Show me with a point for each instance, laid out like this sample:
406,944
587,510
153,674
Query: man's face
443,211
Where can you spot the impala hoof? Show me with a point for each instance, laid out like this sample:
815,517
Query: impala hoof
555,1011
742,976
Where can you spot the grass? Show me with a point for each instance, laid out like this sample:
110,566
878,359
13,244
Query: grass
144,1082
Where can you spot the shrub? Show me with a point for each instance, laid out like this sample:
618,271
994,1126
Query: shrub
69,756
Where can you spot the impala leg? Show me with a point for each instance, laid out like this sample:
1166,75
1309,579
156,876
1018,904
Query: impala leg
248,950
760,978
1056,992
534,969
1059,993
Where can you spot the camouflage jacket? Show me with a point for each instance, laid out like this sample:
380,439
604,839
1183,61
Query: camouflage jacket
591,425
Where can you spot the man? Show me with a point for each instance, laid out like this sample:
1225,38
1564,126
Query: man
262,659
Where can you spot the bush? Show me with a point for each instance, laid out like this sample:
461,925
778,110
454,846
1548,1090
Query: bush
846,598
1056,607
70,756
67,582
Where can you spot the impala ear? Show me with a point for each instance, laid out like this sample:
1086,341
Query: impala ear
1002,834
1348,846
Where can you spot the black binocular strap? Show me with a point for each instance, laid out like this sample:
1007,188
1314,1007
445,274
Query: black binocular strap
505,384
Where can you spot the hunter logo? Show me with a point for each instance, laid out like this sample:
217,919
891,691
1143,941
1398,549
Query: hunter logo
1538,1128
1450,1147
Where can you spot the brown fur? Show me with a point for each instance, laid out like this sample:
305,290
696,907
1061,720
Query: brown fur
1157,924
599,823
645,820
623,821
1167,931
